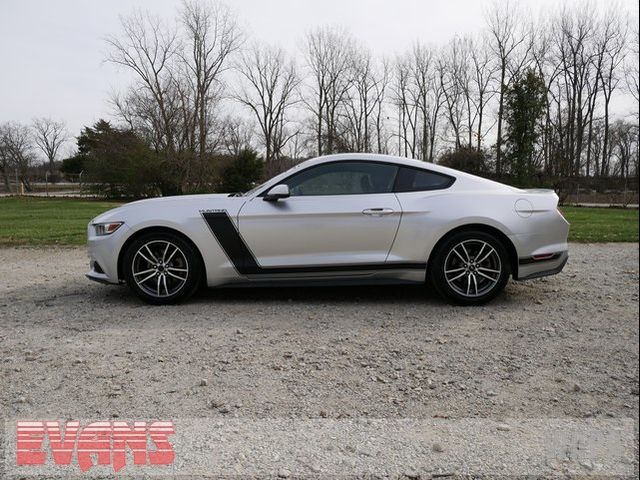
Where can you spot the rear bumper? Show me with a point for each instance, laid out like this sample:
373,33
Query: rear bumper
529,267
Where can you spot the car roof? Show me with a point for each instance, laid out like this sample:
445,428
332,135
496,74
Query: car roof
409,162
463,180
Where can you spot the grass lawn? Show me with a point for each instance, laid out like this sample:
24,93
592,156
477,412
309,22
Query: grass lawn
47,221
601,224
52,221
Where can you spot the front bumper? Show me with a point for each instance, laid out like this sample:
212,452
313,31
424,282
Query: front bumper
92,274
103,254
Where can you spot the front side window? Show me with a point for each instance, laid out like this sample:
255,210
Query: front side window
416,180
343,178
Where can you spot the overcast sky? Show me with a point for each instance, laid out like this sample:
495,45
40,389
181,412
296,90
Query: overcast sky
52,51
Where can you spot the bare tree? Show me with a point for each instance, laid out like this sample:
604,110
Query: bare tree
455,78
329,56
5,159
363,105
269,92
49,136
482,77
211,37
405,100
379,115
612,42
351,98
237,134
429,94
178,84
506,37
573,40
148,47
624,140
632,68
16,152
418,96
548,70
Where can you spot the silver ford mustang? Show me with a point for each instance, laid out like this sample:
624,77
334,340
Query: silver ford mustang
338,219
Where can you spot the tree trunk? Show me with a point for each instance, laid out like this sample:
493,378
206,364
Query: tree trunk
500,115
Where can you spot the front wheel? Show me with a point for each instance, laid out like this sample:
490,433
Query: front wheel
470,268
162,268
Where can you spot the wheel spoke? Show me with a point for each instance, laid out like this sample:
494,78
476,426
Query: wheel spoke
475,283
458,254
150,262
176,269
454,270
150,252
466,254
468,284
176,276
457,276
164,254
494,280
146,278
144,271
164,282
490,270
486,256
158,286
172,254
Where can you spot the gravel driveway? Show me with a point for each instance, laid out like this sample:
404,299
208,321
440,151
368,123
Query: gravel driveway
561,347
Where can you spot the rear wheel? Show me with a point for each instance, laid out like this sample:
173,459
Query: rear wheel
470,268
162,268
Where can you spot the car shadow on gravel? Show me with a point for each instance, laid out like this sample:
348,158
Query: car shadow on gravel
120,295
369,294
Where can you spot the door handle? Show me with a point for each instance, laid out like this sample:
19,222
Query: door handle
377,212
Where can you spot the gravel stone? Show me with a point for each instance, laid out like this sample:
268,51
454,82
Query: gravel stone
311,353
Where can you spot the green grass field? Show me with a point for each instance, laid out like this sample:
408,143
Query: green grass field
600,225
50,221
47,221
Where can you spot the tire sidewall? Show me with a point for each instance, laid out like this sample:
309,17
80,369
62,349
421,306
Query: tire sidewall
193,259
437,275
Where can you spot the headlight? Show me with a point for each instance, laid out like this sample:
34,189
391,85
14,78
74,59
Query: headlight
103,229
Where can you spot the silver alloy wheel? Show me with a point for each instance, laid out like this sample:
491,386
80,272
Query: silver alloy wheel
160,268
472,268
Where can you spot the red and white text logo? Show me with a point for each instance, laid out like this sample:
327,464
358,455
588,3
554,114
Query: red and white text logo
97,443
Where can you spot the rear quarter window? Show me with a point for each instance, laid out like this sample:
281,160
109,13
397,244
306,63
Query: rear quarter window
417,180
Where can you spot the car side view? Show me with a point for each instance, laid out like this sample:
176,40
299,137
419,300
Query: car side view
337,219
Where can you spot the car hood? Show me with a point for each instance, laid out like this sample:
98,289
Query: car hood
152,205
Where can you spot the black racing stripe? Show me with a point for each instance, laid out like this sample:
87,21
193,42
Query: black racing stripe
530,260
231,242
245,263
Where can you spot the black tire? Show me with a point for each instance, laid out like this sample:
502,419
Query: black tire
170,282
469,278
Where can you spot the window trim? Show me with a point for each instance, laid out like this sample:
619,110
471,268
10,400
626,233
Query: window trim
393,188
284,180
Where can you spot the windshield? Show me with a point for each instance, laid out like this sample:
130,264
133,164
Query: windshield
254,189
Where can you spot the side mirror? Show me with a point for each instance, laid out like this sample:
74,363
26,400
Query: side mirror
276,193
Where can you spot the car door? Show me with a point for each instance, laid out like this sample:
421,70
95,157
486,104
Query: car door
339,215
